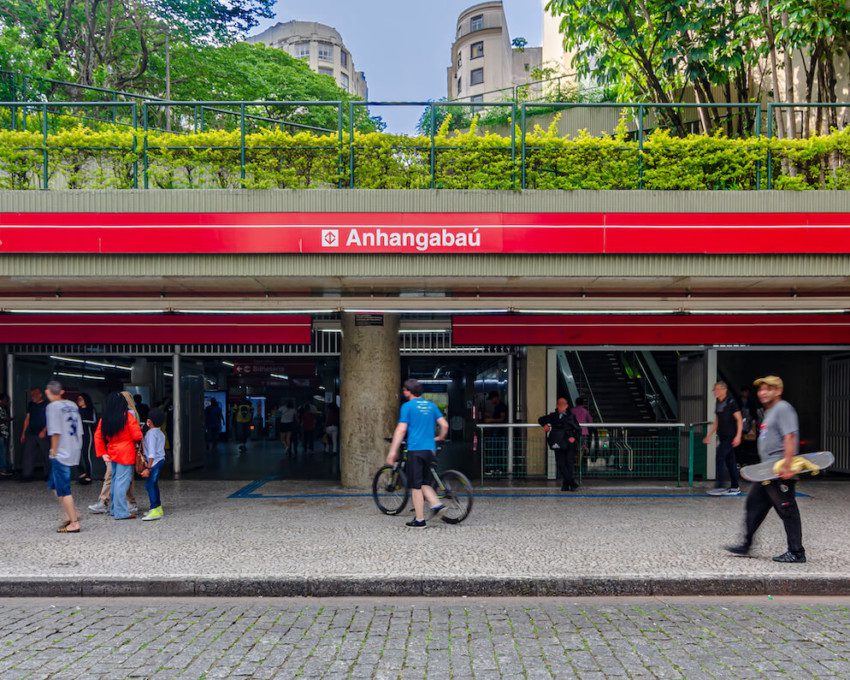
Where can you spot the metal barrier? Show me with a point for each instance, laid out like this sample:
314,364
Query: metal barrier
610,451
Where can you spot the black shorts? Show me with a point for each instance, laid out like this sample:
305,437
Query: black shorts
417,470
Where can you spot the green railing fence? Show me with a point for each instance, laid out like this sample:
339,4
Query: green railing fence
621,140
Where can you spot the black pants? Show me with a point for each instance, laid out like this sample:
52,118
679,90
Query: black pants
36,453
565,460
725,463
86,453
779,494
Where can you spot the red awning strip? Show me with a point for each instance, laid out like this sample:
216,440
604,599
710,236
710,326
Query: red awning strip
156,328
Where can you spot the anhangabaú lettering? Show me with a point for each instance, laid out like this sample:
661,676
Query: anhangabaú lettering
420,240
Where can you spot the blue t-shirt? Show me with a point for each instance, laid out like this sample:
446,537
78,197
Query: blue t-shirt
421,416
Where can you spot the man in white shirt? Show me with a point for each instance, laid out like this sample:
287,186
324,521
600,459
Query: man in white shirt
65,430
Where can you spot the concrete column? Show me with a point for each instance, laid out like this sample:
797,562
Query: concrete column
535,404
370,385
10,390
711,377
177,415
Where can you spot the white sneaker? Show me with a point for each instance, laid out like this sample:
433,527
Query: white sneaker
133,509
99,508
733,492
716,492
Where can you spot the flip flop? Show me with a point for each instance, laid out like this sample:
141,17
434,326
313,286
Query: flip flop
66,530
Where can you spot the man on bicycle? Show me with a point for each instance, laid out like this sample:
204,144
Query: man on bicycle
417,420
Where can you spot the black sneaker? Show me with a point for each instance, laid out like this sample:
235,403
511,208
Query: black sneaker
742,549
416,523
791,557
439,511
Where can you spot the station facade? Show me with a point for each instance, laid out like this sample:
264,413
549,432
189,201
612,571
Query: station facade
323,302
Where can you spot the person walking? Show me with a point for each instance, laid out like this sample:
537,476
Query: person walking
417,422
89,418
213,421
34,436
104,501
779,439
563,434
5,436
155,456
583,416
332,428
728,425
65,429
115,440
286,426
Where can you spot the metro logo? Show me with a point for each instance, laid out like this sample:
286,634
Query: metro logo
330,238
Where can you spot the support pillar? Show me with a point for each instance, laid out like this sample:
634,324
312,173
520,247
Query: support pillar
10,390
535,406
370,385
711,377
177,417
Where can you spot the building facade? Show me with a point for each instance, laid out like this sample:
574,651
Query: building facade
484,66
321,47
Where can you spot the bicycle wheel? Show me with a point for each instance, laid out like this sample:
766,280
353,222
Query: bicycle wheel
389,489
457,496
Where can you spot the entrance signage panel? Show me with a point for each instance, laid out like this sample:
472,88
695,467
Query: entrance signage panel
101,329
648,329
425,233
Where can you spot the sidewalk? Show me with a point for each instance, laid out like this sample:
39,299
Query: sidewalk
302,538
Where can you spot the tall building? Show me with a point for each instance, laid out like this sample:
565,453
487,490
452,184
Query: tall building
484,65
321,47
554,54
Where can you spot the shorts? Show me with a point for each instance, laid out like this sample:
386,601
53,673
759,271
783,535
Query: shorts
418,466
60,478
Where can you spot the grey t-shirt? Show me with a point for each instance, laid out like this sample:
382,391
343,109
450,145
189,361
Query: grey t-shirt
63,418
779,420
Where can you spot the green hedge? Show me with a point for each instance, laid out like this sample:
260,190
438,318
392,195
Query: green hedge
85,158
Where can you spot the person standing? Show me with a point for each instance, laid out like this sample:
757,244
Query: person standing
213,420
89,418
34,436
103,504
65,429
5,435
417,422
779,439
155,456
141,408
286,426
728,425
562,434
243,417
332,428
308,427
583,416
115,440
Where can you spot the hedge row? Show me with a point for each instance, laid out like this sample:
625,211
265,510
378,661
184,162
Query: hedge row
82,158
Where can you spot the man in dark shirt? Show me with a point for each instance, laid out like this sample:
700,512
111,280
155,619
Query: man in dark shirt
563,434
728,425
34,436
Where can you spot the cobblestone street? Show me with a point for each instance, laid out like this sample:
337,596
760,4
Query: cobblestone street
417,638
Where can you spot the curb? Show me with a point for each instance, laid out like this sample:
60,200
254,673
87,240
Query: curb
423,587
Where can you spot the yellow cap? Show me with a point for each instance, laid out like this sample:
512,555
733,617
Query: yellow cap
770,380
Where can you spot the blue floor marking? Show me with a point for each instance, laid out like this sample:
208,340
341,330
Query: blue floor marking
249,491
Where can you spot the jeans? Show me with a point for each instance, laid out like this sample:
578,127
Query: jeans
726,462
4,455
122,475
152,485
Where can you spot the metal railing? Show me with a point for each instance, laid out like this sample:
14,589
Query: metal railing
610,451
423,163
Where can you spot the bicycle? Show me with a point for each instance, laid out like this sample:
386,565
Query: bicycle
391,493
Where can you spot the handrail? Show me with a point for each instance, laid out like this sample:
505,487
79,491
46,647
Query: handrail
596,425
589,386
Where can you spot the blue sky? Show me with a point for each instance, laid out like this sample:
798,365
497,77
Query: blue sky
403,45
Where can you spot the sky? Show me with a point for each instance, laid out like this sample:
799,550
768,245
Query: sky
403,45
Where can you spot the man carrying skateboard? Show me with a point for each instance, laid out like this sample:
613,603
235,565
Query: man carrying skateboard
778,440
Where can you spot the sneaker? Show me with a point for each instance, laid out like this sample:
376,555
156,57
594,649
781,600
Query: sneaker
438,511
155,513
734,491
99,508
133,509
791,557
742,549
717,491
417,524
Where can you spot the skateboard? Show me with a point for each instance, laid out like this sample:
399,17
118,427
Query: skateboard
807,462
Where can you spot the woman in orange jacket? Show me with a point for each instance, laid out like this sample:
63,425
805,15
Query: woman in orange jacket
115,440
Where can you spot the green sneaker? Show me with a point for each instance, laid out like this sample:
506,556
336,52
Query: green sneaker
156,513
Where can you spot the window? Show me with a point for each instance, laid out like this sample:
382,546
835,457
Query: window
459,60
476,50
344,80
459,30
459,85
326,51
302,50
477,99
476,23
476,77
325,71
343,58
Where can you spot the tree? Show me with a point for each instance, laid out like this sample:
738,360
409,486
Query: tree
519,44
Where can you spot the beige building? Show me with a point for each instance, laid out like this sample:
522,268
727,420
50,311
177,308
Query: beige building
484,65
321,47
